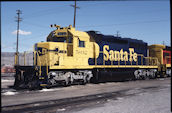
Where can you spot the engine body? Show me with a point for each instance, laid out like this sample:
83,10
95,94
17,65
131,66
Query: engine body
70,56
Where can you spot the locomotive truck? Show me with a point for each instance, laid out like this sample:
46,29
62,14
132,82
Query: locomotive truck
69,56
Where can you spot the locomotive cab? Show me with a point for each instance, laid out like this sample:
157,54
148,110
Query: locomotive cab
62,35
59,44
65,48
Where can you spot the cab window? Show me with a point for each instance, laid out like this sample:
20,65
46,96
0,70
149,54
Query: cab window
53,38
70,39
59,39
81,43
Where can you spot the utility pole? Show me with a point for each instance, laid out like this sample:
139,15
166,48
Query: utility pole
117,34
18,21
74,6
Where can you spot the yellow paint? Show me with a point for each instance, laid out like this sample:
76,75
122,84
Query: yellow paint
133,55
78,55
156,50
168,65
71,56
106,54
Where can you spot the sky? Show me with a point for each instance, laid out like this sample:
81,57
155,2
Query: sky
139,19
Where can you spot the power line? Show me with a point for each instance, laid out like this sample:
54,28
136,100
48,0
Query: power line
54,9
35,24
110,25
45,13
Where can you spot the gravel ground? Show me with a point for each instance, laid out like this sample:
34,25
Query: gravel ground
153,101
7,79
144,101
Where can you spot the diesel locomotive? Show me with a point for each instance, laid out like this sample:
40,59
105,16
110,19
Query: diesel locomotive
69,56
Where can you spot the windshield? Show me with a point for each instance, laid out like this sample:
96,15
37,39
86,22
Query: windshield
59,39
53,38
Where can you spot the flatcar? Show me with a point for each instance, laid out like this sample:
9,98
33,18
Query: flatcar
69,56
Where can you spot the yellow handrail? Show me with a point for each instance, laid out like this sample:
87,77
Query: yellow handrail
39,63
38,60
15,59
166,58
24,58
34,62
46,62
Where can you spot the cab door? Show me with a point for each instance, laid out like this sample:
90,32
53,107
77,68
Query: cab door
70,46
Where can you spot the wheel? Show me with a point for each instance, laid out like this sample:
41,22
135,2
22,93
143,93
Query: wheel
67,82
34,85
88,79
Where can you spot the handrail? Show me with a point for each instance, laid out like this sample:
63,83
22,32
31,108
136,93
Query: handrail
38,59
142,56
149,60
36,62
24,58
153,61
15,59
46,62
166,59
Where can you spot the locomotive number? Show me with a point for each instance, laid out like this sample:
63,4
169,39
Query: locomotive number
81,52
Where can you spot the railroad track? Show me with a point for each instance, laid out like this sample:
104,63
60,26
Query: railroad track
69,103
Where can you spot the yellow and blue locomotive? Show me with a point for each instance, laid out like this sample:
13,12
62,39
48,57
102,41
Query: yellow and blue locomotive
69,56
